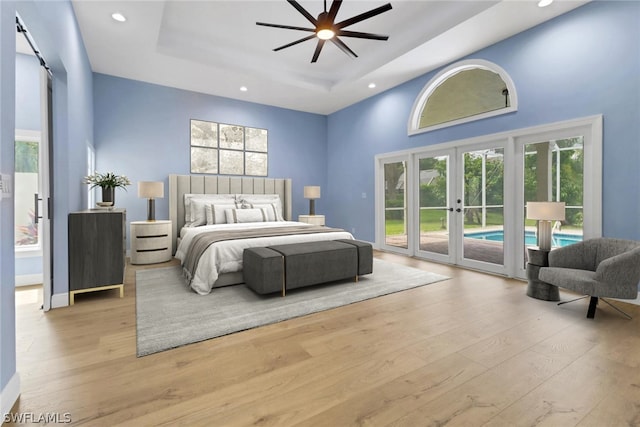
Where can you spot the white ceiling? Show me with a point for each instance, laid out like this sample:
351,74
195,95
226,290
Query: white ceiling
215,47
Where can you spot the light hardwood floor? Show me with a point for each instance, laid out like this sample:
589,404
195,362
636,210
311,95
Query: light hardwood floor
473,350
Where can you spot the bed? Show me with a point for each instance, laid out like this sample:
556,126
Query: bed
221,263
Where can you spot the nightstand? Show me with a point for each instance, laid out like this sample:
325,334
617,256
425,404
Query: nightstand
537,289
312,219
150,242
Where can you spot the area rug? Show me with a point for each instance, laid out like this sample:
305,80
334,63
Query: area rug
169,314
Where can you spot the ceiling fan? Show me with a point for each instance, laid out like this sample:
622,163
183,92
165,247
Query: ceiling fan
327,29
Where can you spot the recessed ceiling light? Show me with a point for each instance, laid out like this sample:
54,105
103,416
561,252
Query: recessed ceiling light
544,3
372,85
118,17
243,88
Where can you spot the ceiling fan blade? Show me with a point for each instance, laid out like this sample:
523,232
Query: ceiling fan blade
316,54
343,47
303,11
363,16
304,39
356,34
333,10
286,27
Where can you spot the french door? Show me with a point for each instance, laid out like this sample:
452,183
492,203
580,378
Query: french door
459,215
464,202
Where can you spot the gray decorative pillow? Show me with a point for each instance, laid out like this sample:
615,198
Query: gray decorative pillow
263,199
243,204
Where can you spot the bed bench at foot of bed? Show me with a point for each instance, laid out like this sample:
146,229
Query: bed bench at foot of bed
284,267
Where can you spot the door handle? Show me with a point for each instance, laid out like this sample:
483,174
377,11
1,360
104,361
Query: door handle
450,209
458,210
36,213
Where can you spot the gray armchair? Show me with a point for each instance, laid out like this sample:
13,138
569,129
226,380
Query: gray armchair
602,267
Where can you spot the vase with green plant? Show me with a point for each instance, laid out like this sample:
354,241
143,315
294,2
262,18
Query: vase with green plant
108,182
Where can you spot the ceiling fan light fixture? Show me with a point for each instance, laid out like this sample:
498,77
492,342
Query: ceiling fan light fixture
325,33
324,29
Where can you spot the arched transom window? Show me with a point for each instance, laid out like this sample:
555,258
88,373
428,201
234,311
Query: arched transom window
465,91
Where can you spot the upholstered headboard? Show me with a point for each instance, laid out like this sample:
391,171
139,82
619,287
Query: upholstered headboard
179,185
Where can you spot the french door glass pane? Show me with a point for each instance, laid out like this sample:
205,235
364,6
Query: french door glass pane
554,171
484,206
26,185
395,219
434,216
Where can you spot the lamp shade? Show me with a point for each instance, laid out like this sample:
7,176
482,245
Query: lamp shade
312,192
545,211
150,189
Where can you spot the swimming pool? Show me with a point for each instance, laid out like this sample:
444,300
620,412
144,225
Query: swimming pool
559,239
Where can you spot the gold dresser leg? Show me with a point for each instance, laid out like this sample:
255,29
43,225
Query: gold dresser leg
72,294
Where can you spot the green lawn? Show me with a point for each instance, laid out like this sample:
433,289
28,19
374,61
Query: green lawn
432,220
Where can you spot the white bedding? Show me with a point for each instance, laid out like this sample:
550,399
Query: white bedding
226,256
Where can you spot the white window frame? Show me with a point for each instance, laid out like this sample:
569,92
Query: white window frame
413,127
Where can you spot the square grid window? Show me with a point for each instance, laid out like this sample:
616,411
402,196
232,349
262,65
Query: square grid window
226,149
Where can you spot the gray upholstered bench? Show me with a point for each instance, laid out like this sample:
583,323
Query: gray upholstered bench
282,267
365,255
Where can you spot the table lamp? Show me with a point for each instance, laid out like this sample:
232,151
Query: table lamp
312,192
544,213
151,190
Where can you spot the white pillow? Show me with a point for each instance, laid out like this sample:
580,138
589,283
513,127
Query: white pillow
263,199
216,212
235,216
197,211
195,205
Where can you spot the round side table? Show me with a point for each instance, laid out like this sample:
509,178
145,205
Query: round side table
537,289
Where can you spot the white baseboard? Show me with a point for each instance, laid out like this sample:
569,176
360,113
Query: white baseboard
60,300
29,279
9,394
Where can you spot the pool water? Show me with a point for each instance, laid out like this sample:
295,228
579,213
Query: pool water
559,239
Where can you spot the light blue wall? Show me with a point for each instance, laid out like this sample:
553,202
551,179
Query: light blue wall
27,92
583,63
28,266
142,131
54,27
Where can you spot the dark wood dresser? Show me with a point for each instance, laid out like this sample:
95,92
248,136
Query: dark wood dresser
97,251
